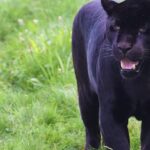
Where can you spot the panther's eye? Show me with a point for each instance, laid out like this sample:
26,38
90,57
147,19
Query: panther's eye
114,28
142,30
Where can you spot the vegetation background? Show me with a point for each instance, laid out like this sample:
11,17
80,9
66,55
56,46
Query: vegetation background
38,99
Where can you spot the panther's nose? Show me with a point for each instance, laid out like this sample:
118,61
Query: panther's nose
124,47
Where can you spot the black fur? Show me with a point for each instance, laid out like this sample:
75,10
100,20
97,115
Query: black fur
103,35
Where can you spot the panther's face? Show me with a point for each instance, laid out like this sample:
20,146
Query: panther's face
128,30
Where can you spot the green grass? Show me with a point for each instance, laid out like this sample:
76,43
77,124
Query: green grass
38,99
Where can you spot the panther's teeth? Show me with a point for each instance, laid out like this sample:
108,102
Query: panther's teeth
128,64
118,1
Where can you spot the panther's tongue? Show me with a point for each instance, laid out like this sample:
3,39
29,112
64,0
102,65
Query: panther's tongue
127,64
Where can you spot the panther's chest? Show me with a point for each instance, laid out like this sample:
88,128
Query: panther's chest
139,94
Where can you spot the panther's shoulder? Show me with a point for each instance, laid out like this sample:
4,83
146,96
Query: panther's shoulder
90,13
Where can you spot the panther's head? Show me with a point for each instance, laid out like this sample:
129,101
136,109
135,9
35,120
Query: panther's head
128,30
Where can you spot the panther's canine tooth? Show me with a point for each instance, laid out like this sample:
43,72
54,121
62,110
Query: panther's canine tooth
128,64
119,1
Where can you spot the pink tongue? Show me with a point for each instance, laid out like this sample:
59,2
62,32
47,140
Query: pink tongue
128,64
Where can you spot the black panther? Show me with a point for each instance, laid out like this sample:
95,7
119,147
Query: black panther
111,56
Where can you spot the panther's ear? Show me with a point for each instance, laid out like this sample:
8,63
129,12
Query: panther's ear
109,5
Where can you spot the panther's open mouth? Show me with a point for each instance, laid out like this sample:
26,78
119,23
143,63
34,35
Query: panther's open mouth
129,68
127,64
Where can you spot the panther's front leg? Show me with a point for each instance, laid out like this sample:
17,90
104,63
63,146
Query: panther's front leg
115,110
145,134
114,131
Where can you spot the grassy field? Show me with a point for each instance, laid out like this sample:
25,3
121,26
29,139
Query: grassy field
38,99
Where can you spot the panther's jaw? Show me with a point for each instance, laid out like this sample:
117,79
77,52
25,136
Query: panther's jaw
130,69
127,64
118,1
